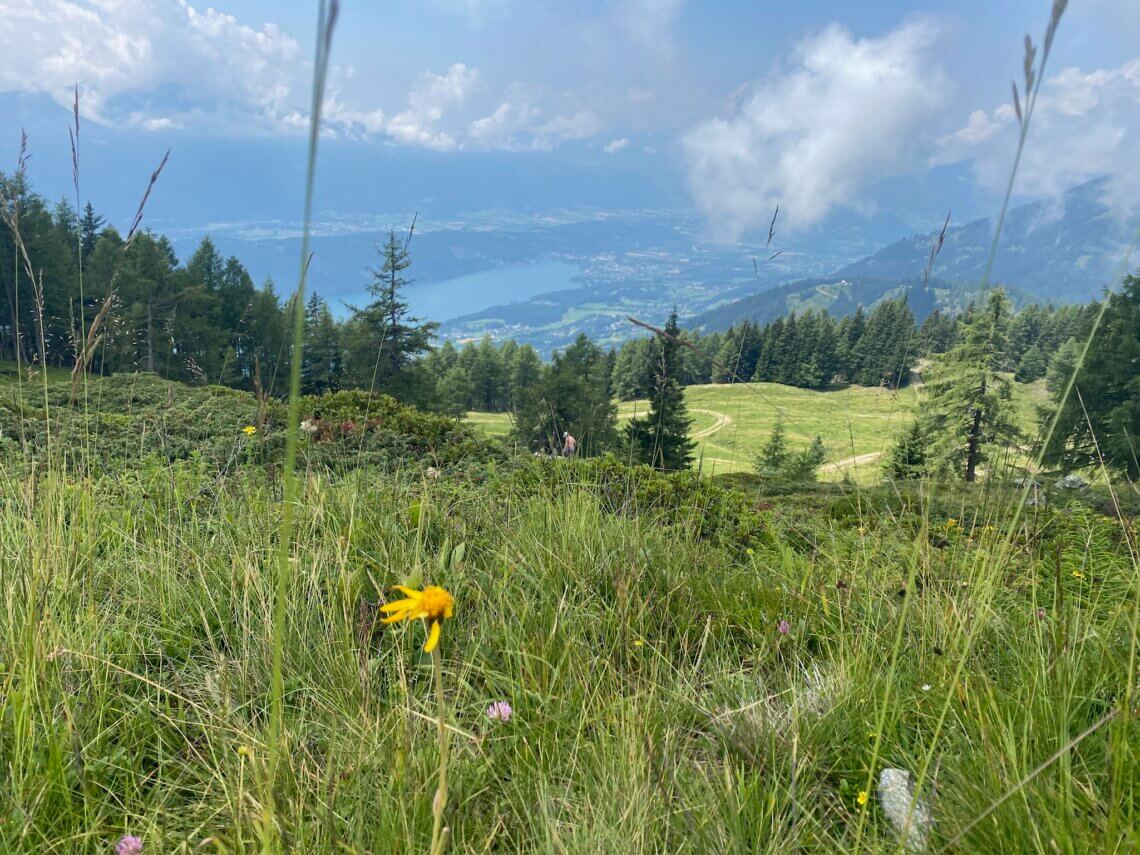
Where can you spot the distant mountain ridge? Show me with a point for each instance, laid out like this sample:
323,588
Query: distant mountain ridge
1067,251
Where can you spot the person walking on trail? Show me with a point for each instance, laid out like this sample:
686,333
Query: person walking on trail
569,445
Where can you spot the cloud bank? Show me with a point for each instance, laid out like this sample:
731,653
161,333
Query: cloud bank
162,65
1085,125
846,112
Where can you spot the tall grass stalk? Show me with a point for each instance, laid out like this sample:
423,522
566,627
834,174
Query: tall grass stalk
1034,75
439,834
326,22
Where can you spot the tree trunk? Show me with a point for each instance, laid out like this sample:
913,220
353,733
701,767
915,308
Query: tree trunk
974,445
393,352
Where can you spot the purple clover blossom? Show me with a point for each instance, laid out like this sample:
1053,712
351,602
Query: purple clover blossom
500,711
784,627
128,845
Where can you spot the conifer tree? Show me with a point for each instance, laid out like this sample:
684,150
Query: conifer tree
90,224
1100,418
661,439
323,360
774,455
387,340
966,404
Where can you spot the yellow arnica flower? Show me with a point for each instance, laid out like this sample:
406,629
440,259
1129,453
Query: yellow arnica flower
249,430
433,604
862,798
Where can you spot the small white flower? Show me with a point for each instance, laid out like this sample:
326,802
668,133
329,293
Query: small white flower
926,687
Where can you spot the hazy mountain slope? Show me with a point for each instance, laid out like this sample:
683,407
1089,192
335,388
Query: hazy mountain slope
1064,252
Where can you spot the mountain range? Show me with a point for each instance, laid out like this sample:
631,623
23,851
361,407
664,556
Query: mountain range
1064,251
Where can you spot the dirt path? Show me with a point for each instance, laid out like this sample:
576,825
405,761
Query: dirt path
857,460
722,421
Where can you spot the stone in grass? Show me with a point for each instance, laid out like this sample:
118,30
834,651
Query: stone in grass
1073,482
896,792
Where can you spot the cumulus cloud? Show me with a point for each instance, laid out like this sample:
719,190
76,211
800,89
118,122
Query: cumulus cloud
519,124
616,145
213,71
1085,125
428,99
843,114
119,50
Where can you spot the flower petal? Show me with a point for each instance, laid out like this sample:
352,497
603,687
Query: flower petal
397,617
403,589
433,637
399,605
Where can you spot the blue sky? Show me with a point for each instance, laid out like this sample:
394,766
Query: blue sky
740,104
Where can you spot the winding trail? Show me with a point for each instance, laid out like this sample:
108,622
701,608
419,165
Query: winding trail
857,460
722,421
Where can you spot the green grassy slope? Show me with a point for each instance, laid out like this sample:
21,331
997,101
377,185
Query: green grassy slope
732,422
658,704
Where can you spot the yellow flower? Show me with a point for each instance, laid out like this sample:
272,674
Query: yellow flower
432,604
861,798
249,430
950,523
1077,574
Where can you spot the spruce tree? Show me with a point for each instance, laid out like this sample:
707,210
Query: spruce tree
1100,418
966,403
661,439
90,224
774,455
388,341
572,397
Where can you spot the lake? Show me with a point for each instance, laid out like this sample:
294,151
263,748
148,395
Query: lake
450,298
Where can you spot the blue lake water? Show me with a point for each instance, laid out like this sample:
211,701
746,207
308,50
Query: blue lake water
450,298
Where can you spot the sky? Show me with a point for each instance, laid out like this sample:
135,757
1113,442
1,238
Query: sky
734,105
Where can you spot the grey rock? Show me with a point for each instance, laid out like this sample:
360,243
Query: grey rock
896,793
1073,482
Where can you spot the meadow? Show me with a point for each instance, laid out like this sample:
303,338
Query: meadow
858,424
198,653
691,663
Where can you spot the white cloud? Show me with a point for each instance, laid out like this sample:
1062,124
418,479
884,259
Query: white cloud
616,145
845,114
1085,125
163,65
212,71
519,124
118,51
428,99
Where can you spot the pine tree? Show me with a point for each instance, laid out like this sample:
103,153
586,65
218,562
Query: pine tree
1100,418
804,464
90,225
388,340
525,372
907,457
322,362
1032,366
966,405
572,397
774,455
661,439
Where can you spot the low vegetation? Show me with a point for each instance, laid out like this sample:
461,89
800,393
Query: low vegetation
342,622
